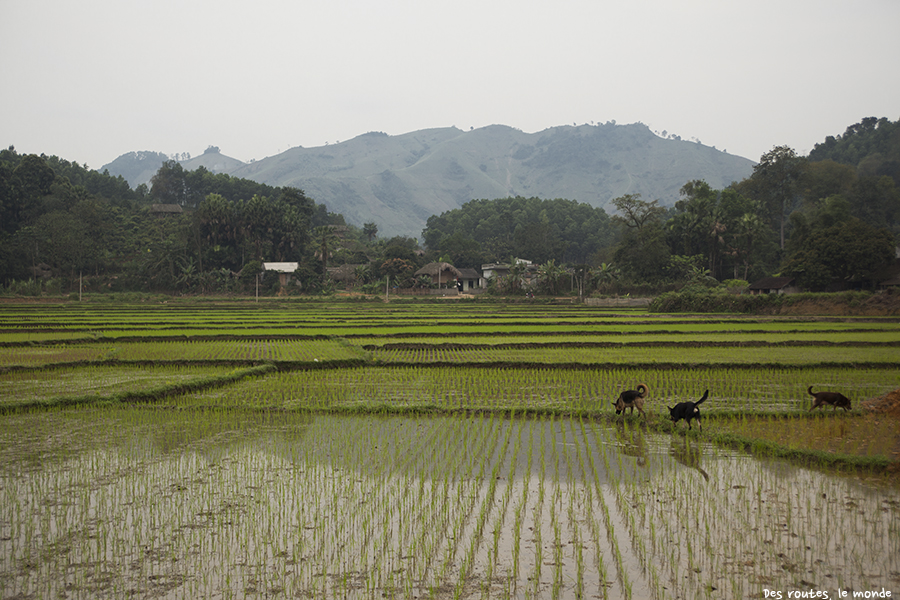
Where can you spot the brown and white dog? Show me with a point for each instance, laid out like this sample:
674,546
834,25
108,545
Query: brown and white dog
632,399
835,399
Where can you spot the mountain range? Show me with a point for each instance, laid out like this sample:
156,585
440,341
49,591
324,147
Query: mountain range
399,181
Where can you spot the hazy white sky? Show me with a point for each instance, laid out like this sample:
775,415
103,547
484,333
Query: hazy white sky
89,80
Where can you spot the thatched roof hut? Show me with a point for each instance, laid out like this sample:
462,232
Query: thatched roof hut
773,285
440,272
344,273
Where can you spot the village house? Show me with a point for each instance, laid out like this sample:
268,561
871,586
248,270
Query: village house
501,270
345,275
469,280
442,274
774,285
285,270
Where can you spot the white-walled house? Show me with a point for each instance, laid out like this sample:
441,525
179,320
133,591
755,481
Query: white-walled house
469,279
284,269
501,270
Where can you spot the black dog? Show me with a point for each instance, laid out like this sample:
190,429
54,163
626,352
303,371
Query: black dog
631,399
835,399
688,411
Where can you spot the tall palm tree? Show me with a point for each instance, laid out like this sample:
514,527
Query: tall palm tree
326,240
514,281
370,230
551,276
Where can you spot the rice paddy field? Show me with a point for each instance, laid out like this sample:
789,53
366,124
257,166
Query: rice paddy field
452,449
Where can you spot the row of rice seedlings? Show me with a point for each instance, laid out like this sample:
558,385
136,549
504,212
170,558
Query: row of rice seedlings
607,328
95,512
32,356
253,313
731,389
380,323
277,518
500,511
788,355
38,385
242,314
391,529
798,528
392,532
639,337
363,507
258,350
12,336
526,329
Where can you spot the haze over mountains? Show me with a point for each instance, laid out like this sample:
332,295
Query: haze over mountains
399,181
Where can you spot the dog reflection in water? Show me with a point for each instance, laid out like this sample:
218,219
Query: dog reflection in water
631,442
687,454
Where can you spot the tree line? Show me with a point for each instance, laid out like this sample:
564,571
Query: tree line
829,220
64,226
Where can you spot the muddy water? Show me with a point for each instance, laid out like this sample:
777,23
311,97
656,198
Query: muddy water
181,504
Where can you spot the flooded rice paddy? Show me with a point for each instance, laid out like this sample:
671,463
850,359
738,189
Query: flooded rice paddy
165,503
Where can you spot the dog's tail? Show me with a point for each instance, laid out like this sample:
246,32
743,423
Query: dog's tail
809,389
643,388
703,399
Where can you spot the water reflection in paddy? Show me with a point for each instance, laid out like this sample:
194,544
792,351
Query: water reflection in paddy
165,503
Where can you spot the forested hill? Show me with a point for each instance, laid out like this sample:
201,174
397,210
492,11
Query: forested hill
139,167
871,146
826,224
399,181
136,167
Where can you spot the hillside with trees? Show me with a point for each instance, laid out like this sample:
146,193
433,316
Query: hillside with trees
136,167
484,231
398,181
828,225
63,223
872,147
